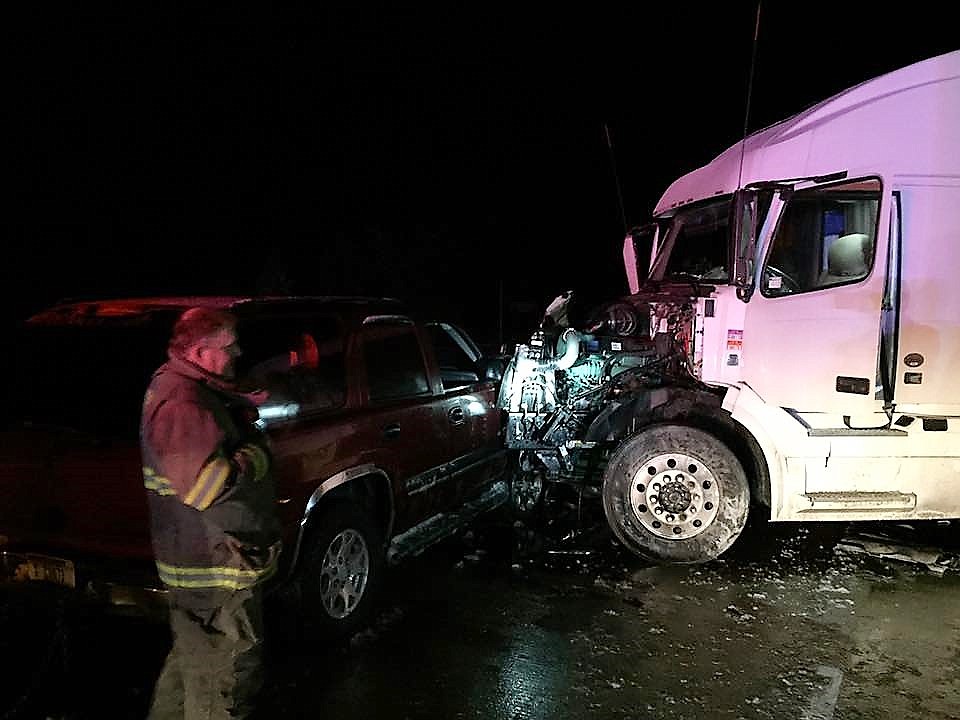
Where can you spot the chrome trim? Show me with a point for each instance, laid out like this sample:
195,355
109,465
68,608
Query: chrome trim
376,319
464,463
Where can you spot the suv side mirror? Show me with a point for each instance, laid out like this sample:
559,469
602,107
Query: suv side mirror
491,368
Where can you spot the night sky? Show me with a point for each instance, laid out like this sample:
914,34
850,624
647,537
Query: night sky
446,157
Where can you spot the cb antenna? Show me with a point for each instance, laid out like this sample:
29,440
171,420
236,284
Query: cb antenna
616,179
746,114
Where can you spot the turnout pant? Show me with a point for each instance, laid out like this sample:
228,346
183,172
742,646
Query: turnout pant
214,669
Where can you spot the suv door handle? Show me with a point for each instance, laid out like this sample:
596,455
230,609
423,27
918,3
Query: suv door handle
392,431
455,415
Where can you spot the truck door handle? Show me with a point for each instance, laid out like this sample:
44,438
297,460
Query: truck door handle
455,415
392,431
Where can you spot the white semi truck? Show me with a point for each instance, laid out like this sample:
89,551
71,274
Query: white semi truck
791,343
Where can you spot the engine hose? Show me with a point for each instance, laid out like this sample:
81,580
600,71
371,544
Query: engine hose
569,342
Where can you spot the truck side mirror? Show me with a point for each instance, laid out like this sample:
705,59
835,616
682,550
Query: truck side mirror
743,241
638,247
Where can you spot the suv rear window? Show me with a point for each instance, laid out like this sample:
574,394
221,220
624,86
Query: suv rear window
86,377
296,359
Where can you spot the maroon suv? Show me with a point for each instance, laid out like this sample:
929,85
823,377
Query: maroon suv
385,432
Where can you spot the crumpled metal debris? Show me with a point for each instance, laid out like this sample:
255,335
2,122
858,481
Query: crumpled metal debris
887,547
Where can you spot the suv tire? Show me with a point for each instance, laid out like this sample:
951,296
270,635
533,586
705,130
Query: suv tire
341,571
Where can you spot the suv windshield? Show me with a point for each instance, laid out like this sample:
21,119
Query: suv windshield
696,244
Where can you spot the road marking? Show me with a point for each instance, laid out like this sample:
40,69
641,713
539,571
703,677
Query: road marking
823,703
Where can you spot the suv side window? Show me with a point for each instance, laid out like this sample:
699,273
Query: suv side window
825,237
298,360
394,362
455,356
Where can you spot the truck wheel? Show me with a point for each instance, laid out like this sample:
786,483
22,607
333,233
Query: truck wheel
341,572
675,494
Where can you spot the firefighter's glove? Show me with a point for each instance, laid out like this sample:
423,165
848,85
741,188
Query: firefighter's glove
252,460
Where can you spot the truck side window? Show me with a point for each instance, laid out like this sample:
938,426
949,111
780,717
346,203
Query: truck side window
825,237
395,366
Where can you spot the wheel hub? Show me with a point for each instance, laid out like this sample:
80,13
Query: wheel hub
675,496
343,578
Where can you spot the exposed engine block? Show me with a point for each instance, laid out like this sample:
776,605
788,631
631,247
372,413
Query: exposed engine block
562,379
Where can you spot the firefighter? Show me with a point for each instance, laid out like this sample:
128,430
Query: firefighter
207,470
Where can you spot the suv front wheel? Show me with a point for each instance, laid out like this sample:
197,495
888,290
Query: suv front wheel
341,571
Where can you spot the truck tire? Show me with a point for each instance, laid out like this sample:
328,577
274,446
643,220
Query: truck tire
341,572
675,494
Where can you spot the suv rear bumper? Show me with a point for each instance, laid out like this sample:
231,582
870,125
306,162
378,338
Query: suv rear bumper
131,590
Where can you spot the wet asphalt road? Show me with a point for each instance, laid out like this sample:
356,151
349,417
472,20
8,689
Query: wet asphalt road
500,624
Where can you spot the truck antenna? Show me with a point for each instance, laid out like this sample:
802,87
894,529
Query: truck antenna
616,178
746,114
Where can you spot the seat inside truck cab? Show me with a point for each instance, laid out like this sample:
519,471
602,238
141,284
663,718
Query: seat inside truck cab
848,258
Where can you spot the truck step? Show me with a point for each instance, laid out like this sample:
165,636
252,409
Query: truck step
858,501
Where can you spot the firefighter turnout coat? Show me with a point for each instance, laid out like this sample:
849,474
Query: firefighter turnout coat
207,470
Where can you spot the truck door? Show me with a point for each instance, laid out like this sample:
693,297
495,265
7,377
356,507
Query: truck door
812,344
811,334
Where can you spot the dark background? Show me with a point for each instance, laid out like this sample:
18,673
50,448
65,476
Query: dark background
452,158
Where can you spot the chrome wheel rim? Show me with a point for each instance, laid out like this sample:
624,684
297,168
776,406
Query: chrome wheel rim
344,573
674,496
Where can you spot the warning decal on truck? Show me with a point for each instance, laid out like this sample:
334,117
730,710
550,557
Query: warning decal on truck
734,346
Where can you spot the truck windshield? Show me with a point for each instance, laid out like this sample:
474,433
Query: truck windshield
696,244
